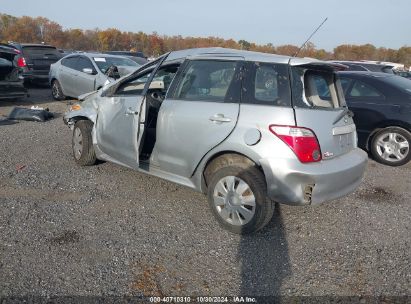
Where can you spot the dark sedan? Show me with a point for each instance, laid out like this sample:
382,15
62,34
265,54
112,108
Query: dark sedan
381,104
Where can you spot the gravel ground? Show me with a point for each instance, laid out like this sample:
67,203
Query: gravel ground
107,230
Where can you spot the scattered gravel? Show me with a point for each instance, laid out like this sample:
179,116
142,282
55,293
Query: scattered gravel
107,230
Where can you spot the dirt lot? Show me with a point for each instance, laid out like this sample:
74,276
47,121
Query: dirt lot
107,230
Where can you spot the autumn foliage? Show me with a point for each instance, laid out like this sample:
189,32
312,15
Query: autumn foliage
28,29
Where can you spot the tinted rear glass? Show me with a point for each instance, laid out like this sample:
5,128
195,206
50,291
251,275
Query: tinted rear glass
40,51
399,82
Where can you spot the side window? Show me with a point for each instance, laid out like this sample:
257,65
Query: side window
361,89
266,84
84,63
70,62
207,80
345,84
134,86
162,79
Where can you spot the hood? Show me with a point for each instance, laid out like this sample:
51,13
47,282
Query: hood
87,95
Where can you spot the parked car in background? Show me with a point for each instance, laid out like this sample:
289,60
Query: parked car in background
11,80
233,124
403,74
35,60
81,73
382,113
366,66
137,57
127,53
138,60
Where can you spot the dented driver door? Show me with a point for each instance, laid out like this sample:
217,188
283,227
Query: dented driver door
121,116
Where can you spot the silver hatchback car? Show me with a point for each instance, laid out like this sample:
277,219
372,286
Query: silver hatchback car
247,129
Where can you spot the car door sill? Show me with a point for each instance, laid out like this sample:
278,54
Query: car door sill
146,167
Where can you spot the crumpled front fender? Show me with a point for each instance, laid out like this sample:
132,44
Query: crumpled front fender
70,117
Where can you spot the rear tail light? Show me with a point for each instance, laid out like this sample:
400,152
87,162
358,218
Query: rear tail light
21,62
302,141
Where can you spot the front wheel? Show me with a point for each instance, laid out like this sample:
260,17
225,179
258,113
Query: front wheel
56,90
238,199
82,143
391,146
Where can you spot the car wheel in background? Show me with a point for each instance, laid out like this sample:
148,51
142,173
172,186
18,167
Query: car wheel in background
238,199
56,91
391,146
82,143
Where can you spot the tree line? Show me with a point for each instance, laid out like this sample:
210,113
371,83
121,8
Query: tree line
40,29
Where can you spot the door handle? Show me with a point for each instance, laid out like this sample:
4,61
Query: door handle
130,111
219,118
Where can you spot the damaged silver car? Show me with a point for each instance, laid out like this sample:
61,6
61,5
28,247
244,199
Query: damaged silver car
247,129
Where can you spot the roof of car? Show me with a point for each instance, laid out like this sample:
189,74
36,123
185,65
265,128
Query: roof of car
247,55
33,44
8,49
91,55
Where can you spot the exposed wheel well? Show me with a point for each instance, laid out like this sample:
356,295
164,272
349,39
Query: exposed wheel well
78,118
224,159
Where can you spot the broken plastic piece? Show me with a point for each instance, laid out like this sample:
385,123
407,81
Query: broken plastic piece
30,115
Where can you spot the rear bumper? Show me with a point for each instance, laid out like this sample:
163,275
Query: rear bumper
11,90
33,75
294,183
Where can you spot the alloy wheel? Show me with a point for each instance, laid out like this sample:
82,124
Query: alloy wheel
392,147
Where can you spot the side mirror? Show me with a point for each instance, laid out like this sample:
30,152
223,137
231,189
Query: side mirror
88,71
112,72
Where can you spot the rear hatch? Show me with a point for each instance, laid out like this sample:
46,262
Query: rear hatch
8,69
11,82
319,105
39,58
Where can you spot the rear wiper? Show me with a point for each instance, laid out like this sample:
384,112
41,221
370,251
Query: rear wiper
342,114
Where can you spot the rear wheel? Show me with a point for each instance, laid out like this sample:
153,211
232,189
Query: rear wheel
238,199
391,146
82,143
56,90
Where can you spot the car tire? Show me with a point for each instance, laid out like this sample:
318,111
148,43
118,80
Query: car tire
82,143
238,199
56,90
391,146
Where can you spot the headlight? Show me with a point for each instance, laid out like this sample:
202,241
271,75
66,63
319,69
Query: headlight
75,107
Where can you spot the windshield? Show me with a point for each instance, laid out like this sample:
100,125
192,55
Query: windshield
103,63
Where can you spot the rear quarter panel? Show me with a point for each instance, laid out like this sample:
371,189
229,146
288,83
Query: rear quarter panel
254,118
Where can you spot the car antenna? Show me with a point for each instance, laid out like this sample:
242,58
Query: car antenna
313,33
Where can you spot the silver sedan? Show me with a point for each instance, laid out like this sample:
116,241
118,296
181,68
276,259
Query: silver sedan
78,74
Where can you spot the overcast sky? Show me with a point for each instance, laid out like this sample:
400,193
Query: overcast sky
383,23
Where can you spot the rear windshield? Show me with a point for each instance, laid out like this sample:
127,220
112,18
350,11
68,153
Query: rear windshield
41,51
316,89
104,63
399,82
